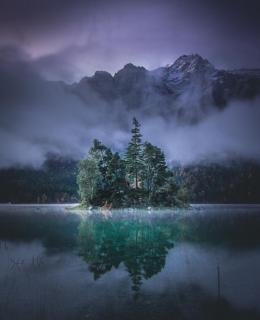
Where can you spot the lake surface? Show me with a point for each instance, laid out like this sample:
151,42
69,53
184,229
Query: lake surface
201,263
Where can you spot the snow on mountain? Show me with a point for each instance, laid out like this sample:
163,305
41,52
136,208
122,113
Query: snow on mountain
188,90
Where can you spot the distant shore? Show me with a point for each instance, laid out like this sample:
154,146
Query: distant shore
65,207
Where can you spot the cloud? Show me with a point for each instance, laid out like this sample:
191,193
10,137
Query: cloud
39,117
231,133
93,35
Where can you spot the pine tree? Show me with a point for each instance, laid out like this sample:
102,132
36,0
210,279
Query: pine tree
133,155
104,177
87,180
101,154
117,182
154,172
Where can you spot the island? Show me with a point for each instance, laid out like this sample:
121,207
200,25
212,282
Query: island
139,177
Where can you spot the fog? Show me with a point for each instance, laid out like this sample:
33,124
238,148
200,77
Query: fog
223,135
40,117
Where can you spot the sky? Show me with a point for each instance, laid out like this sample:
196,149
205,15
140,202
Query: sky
70,39
64,40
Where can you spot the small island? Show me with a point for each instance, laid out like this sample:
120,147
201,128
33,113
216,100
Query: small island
139,178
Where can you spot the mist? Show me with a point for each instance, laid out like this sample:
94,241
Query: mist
229,134
39,117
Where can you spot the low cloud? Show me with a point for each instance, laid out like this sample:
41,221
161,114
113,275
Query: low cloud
39,117
231,133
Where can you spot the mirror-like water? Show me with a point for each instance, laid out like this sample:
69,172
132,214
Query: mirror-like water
201,263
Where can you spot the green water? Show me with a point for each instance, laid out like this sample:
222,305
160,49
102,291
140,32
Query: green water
201,263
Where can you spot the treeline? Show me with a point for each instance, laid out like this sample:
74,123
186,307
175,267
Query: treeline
139,178
54,182
236,181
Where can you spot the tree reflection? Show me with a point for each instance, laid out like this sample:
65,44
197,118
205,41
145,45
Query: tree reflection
140,244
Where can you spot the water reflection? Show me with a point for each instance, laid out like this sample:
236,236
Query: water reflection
56,231
139,244
61,265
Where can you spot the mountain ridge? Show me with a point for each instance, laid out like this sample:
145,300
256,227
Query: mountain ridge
187,90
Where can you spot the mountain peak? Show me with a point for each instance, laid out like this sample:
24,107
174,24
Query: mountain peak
130,74
102,75
130,67
190,63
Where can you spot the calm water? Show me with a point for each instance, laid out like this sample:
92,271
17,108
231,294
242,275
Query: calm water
201,263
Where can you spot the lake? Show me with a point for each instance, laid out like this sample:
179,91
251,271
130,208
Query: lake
60,263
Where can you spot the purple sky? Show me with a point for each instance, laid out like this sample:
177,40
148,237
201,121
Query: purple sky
69,39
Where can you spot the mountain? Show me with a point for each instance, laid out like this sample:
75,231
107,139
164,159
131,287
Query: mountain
187,90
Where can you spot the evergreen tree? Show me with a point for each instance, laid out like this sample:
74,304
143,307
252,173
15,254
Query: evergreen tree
117,182
101,155
104,177
171,193
87,180
133,155
101,177
154,173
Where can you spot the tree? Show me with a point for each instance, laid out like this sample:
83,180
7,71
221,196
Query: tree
101,177
116,180
133,155
154,173
102,156
87,180
171,193
141,178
